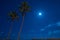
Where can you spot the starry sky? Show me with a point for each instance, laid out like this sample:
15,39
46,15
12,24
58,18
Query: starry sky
46,25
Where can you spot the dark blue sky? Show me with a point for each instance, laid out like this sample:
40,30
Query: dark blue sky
35,26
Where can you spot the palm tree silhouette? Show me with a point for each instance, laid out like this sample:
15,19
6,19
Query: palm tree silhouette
13,15
23,9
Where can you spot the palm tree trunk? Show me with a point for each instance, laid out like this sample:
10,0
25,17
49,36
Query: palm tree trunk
10,31
20,28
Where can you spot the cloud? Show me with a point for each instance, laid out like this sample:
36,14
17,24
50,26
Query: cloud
2,32
50,25
42,29
13,34
58,23
50,32
56,31
32,30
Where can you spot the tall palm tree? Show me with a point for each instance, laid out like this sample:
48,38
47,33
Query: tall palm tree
23,9
13,16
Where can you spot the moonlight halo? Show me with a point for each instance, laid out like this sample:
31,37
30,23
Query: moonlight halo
40,14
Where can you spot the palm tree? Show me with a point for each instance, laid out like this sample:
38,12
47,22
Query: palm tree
23,9
13,16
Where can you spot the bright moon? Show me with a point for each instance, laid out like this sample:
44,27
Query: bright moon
40,13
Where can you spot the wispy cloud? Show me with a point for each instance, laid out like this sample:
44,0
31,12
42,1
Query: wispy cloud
2,32
56,31
13,34
58,23
42,29
53,32
50,32
50,25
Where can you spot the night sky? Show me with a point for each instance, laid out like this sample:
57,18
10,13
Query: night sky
44,25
